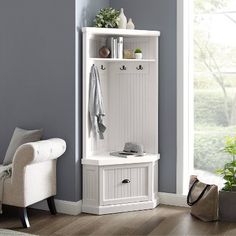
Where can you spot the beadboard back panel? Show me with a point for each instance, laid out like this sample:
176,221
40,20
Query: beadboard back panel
95,43
145,44
130,94
90,185
133,107
130,100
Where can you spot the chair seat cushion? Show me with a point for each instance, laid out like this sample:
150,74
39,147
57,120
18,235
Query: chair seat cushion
19,137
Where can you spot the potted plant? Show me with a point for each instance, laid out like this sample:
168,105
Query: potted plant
107,18
227,196
138,53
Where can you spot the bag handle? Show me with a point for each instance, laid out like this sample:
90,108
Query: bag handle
199,197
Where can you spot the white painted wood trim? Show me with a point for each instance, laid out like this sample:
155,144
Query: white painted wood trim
85,95
179,164
124,32
184,116
77,105
173,199
109,209
65,207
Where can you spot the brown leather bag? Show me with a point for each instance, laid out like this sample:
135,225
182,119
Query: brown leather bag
203,199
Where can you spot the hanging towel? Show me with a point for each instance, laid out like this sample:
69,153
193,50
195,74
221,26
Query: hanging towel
96,111
5,172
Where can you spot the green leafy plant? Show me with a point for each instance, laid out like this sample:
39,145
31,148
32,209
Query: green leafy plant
107,18
137,50
229,170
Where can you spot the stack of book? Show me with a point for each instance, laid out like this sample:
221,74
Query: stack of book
116,46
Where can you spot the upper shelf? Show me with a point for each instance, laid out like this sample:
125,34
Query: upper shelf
122,60
120,32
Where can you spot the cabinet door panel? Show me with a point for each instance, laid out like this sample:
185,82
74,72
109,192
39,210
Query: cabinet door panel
125,184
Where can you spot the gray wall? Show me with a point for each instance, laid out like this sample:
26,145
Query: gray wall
86,10
37,76
161,15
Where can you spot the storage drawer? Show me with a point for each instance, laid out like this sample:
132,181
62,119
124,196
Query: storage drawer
125,183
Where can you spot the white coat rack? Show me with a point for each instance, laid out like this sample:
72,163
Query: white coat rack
130,96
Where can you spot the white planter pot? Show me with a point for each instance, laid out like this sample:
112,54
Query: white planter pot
138,55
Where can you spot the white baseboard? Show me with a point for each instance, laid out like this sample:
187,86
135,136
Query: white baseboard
75,208
65,207
173,199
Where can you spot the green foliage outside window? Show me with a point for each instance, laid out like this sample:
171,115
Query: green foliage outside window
214,86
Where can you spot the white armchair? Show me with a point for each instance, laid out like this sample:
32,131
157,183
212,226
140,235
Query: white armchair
33,176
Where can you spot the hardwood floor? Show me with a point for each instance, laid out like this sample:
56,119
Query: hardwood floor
164,220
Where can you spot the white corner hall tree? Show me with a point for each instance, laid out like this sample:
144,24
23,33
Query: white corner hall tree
130,98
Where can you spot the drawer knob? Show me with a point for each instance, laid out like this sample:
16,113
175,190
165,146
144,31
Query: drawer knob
125,181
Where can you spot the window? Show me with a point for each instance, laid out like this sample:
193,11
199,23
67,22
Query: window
208,84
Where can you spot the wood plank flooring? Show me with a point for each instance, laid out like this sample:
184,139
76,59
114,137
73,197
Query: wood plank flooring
164,220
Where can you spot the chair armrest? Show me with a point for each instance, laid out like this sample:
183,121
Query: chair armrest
33,165
39,151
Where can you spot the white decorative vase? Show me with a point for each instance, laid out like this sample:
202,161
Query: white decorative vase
138,55
122,20
130,24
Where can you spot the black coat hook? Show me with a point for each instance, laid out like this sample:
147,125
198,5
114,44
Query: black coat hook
123,67
140,67
103,67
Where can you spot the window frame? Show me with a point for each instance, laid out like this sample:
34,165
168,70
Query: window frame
184,96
